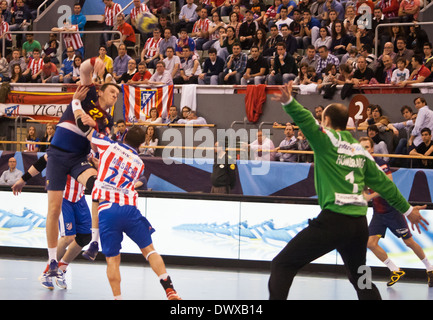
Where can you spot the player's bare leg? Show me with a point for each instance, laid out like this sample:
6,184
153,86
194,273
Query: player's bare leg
113,275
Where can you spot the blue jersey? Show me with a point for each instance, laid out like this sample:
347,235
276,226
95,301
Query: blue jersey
69,137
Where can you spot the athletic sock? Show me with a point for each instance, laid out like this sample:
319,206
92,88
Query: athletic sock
95,234
63,265
427,264
391,266
119,297
52,254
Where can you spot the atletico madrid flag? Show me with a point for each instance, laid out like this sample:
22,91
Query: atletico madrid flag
137,101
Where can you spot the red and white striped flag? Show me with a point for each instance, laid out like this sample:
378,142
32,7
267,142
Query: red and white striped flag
137,101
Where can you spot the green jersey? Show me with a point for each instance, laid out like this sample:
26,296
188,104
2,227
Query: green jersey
342,167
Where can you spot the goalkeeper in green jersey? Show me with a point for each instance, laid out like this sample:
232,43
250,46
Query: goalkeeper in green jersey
342,168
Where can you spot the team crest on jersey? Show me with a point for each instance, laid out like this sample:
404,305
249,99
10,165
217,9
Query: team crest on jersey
68,226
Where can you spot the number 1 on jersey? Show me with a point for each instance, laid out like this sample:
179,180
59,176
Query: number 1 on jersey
351,178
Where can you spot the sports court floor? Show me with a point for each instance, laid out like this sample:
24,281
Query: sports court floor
87,281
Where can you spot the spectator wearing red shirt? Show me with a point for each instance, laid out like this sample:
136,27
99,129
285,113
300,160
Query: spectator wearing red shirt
49,70
420,72
142,76
128,37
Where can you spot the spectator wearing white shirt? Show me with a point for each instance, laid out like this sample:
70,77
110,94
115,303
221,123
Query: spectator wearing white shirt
424,120
192,118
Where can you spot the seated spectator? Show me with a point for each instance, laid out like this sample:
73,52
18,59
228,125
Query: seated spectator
428,57
120,64
283,19
258,8
49,70
419,74
271,42
345,74
401,73
172,116
362,74
127,38
103,56
150,141
386,69
17,74
227,41
30,45
34,68
161,76
256,69
190,68
325,58
51,51
234,67
76,74
379,145
172,63
270,15
142,76
12,175
289,4
310,58
17,59
212,67
362,37
5,11
4,69
159,8
388,49
169,40
21,20
192,118
214,31
200,30
153,117
324,38
247,30
289,40
119,131
402,51
150,52
259,40
336,6
184,40
49,134
235,21
32,137
284,69
187,17
289,143
409,10
67,67
127,76
311,29
185,112
425,148
263,148
340,43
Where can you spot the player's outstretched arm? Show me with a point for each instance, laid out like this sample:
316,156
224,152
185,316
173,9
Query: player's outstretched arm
286,93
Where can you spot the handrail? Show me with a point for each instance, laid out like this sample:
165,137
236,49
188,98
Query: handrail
38,12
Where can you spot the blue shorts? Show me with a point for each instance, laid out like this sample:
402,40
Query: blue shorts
60,164
114,220
393,220
75,218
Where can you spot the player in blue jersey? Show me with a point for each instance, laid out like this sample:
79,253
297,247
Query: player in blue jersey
386,217
68,154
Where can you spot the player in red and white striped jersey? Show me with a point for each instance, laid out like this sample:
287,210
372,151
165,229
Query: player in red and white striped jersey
73,190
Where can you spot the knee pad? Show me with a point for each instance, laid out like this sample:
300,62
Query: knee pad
90,183
83,239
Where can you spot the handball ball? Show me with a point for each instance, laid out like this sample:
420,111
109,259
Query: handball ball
146,22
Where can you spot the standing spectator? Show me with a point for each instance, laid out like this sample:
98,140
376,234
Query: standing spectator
187,16
34,68
4,27
389,8
409,10
213,66
21,20
12,175
256,69
200,30
78,18
159,7
234,67
285,68
139,8
150,52
424,119
72,38
108,19
120,65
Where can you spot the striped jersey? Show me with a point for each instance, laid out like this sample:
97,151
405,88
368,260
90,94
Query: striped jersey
35,65
73,191
5,28
201,25
110,14
73,39
136,11
119,169
152,47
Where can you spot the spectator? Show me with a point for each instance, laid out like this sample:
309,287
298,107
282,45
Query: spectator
49,70
108,19
49,133
310,58
285,68
50,50
402,51
311,28
67,67
428,57
142,76
371,59
30,45
324,38
258,8
200,30
389,8
325,58
5,12
120,131
150,141
362,74
247,30
120,65
256,69
104,57
388,49
349,21
317,10
159,7
32,137
213,66
416,39
259,40
345,74
362,37
385,70
76,75
172,116
192,118
289,40
132,69
235,21
424,119
340,43
153,116
269,18
78,18
333,5
17,74
271,42
34,68
137,10
12,175
21,20
172,63
425,148
187,17
419,74
263,148
409,10
234,67
185,112
4,27
289,4
127,38
161,76
168,41
214,30
227,41
16,59
289,143
184,40
72,38
190,68
150,52
284,18
4,69
379,145
401,73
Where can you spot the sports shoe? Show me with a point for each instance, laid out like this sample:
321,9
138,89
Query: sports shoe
46,281
395,276
92,251
172,294
53,267
61,279
430,278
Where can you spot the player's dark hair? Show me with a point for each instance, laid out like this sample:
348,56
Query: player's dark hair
338,114
105,85
135,137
